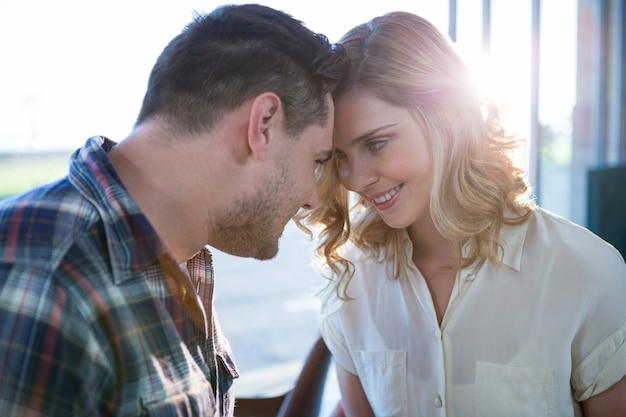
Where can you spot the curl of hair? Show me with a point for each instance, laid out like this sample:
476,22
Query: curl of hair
330,221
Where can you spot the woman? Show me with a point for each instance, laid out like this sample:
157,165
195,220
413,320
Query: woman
450,292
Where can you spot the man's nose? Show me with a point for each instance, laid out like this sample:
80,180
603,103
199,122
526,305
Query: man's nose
313,200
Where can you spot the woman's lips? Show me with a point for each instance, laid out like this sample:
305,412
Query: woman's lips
386,200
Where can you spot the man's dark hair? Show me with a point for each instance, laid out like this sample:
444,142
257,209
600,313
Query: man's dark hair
235,53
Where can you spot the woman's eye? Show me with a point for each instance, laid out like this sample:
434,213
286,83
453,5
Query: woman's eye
340,155
375,145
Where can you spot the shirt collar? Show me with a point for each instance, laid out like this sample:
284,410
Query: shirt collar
512,238
132,241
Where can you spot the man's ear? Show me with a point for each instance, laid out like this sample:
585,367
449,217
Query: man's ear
265,119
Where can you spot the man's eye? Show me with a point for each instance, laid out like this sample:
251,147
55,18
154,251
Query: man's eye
319,166
327,158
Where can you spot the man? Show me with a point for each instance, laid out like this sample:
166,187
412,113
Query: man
106,278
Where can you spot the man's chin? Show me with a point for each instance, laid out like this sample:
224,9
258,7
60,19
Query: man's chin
249,246
268,250
266,253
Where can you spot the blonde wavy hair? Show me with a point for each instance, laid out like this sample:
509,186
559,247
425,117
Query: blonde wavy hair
405,61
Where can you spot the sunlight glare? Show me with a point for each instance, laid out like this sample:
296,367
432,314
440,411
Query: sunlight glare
507,86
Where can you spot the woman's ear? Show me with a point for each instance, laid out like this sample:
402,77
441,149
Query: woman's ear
266,118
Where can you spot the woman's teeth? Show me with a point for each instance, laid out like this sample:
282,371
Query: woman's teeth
388,196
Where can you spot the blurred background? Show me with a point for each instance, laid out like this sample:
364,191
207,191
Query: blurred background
76,68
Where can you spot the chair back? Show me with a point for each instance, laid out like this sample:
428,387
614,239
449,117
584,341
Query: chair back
303,400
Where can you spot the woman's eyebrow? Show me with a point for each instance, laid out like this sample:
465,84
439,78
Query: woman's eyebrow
370,133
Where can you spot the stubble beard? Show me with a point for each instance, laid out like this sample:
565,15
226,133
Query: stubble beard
249,228
246,231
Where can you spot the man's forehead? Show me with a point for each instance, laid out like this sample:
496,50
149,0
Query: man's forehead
326,136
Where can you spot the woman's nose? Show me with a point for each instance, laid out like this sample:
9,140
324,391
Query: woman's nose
356,175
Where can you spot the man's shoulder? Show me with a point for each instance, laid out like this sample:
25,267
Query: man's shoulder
38,227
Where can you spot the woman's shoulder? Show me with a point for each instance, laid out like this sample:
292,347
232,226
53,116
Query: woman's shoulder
552,227
552,234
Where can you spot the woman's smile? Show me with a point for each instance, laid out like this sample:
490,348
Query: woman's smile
386,200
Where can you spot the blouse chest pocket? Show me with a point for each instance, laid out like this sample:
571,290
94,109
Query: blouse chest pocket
512,391
384,378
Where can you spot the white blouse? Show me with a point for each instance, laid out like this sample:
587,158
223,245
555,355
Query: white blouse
533,338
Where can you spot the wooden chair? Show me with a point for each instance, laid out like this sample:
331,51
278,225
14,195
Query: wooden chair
303,400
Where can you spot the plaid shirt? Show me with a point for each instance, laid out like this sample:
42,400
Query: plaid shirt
96,318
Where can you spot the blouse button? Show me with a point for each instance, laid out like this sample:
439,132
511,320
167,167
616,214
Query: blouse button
438,403
438,333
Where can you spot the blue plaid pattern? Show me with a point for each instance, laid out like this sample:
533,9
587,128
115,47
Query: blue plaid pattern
96,318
